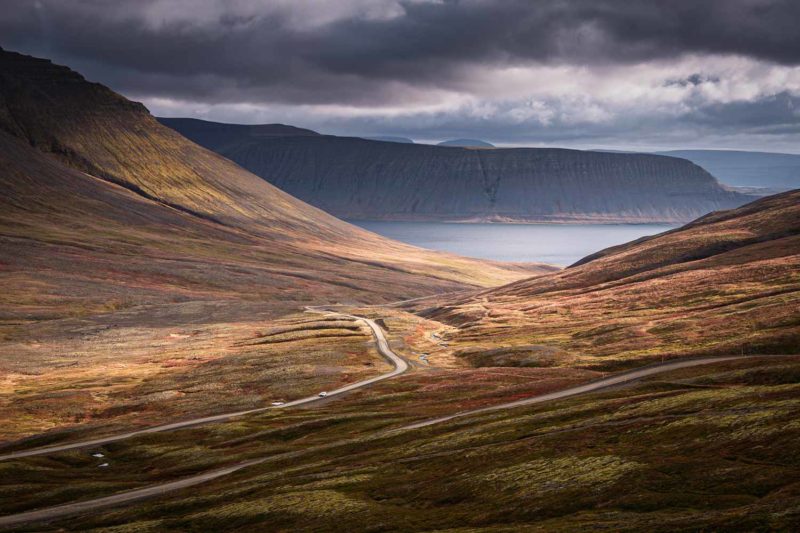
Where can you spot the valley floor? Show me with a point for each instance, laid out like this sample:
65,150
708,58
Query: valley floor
712,446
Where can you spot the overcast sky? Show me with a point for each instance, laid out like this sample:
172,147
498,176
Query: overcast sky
644,74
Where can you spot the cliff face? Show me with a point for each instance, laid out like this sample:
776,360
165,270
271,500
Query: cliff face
362,179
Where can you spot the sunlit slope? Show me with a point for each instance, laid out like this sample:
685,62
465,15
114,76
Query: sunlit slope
726,283
103,207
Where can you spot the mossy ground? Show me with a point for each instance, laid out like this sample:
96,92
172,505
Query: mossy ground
706,448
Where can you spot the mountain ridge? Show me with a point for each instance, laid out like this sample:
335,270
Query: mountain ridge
355,178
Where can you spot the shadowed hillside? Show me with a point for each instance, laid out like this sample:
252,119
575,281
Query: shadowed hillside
726,283
362,179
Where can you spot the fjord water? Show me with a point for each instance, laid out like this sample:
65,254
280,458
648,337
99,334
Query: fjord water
558,244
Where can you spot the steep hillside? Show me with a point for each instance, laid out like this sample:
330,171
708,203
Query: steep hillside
726,283
362,179
94,179
747,169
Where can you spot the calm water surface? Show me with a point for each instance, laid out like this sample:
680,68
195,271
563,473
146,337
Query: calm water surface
558,244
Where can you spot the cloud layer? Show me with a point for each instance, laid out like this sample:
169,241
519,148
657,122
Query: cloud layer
580,72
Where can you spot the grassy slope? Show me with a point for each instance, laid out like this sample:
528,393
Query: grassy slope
726,283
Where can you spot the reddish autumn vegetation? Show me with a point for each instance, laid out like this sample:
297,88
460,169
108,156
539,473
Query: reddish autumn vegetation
728,283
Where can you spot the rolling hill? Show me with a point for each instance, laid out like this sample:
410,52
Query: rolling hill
725,283
711,446
361,179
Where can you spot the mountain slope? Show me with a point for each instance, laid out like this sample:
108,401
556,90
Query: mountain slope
747,169
726,283
137,268
95,180
362,179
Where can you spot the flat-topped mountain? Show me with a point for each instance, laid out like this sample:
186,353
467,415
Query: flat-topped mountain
361,179
219,135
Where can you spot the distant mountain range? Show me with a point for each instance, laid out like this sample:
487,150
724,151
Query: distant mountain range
467,143
391,139
747,169
362,179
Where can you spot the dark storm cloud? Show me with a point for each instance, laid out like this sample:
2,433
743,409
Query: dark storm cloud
259,55
779,113
513,71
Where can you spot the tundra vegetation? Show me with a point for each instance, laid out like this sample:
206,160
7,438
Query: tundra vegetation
149,280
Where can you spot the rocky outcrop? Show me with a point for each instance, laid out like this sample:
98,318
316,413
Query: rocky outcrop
361,179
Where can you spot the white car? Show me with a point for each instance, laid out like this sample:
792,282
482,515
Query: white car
322,394
276,404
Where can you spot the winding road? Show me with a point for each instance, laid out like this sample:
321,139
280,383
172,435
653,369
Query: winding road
400,366
60,511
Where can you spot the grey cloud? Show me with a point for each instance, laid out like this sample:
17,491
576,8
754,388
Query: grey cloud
412,52
264,57
779,113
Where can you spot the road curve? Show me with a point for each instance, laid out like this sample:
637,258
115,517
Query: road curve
400,366
59,511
